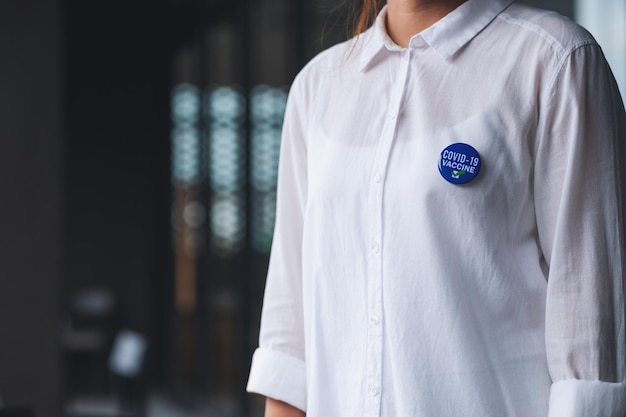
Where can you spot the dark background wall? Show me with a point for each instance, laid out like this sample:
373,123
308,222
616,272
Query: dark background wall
84,145
117,148
31,189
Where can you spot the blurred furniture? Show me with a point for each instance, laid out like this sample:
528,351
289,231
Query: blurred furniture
86,335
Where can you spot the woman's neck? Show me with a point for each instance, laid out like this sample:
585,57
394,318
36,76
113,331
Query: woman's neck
406,18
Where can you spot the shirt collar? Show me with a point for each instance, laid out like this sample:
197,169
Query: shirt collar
446,36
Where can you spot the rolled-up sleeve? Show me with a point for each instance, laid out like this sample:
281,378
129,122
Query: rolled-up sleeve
279,376
278,368
579,180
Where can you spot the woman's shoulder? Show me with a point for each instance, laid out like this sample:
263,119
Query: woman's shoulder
547,28
339,58
328,64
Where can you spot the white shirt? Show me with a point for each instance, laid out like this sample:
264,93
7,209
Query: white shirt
395,293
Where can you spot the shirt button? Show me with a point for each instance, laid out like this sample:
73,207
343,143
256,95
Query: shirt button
375,248
393,114
374,391
378,178
374,319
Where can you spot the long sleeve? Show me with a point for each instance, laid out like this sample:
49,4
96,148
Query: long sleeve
278,367
579,175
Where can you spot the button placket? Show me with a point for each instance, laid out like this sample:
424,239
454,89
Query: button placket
375,219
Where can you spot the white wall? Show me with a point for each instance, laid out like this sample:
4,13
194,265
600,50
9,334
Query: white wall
606,20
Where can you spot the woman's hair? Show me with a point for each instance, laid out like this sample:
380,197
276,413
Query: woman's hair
364,14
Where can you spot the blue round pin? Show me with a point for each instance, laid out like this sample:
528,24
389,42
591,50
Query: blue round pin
459,163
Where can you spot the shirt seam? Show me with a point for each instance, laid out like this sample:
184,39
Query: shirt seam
554,42
552,81
563,60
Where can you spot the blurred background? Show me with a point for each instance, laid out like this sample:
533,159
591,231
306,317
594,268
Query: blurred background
138,154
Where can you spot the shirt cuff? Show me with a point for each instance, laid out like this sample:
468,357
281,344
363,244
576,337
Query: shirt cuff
580,398
278,376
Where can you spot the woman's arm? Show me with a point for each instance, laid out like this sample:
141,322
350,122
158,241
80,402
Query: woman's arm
278,366
275,408
580,174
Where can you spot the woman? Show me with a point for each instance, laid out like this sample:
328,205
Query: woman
449,237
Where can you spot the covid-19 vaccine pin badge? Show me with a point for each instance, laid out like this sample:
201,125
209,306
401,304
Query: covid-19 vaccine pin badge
459,163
